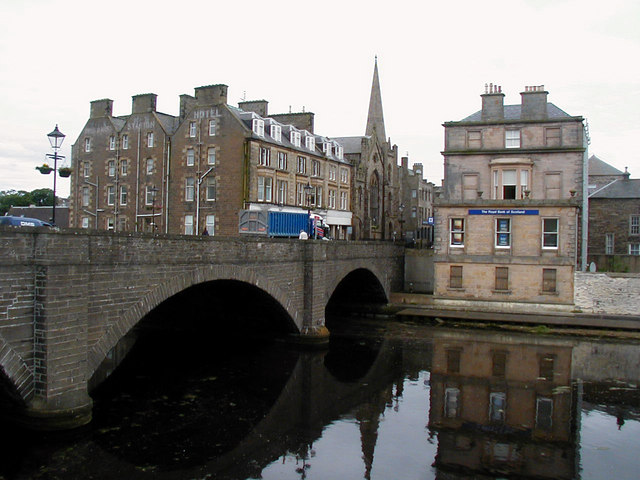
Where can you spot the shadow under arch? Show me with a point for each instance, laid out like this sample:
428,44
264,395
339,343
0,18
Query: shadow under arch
204,316
173,286
359,290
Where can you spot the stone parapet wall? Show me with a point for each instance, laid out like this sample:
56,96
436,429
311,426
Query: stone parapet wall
608,293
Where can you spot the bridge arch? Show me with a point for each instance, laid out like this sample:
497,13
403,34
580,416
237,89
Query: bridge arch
174,285
16,379
369,275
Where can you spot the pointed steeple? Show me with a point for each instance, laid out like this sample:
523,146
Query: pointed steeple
375,120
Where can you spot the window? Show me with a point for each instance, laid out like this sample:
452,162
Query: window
512,139
189,189
112,142
111,195
264,189
211,156
265,157
188,224
509,184
452,402
544,413
609,243
332,173
469,186
634,249
499,364
85,169
85,222
283,186
125,142
552,137
546,364
310,142
150,139
111,168
210,224
550,233
149,166
453,360
302,165
332,199
414,193
192,129
282,160
549,280
315,168
124,165
257,125
552,185
211,189
457,232
503,232
497,407
319,196
414,211
87,144
111,222
634,225
455,276
123,195
339,152
212,132
150,195
326,148
474,139
344,176
300,193
191,157
85,196
294,138
502,278
524,184
276,133
343,201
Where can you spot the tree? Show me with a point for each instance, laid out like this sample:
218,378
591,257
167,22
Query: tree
21,198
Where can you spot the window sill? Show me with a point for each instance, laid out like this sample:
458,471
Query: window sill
550,293
456,289
506,292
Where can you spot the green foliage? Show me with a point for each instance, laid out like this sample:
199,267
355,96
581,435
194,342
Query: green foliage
11,198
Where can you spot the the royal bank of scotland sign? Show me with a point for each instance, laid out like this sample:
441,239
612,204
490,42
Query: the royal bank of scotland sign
502,211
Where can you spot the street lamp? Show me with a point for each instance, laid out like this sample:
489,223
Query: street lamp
401,208
154,191
55,139
307,189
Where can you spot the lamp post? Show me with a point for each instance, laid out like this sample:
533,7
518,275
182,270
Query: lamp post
307,189
154,191
401,208
55,139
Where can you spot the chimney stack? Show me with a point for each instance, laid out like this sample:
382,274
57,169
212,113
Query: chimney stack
492,103
144,103
101,108
261,107
211,95
534,103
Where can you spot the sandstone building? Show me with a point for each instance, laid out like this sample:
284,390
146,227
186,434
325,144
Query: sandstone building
509,219
416,207
149,171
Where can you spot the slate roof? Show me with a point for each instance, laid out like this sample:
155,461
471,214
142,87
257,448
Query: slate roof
513,112
350,144
624,188
599,167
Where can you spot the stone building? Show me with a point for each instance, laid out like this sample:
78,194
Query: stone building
509,217
416,205
614,215
375,185
149,171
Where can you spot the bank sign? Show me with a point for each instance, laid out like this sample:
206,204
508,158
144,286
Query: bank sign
502,211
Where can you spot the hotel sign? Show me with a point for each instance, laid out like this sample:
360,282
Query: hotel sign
502,211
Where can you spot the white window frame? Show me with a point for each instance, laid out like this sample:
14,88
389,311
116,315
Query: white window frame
112,142
111,223
212,128
548,234
315,167
282,160
191,157
326,148
502,232
455,230
339,151
111,195
124,167
319,197
512,138
332,173
283,187
125,142
210,224
123,194
497,400
85,222
634,249
302,164
189,189
86,197
310,142
192,129
634,225
294,138
265,189
300,193
111,168
265,157
148,195
150,166
332,198
609,243
188,225
85,169
343,201
150,139
87,144
451,402
211,156
257,126
276,132
344,176
211,189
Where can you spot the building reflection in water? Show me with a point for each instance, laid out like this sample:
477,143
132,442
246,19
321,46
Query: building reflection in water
503,405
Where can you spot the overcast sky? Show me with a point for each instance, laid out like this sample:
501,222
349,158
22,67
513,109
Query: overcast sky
433,57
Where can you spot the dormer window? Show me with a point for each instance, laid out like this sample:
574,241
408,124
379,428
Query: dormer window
258,127
294,138
326,148
310,142
339,151
276,133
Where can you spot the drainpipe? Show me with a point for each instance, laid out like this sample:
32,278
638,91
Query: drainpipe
166,186
585,201
138,181
200,179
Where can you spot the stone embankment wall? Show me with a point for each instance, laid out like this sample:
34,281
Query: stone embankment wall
608,293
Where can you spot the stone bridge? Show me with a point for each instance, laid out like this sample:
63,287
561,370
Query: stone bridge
67,298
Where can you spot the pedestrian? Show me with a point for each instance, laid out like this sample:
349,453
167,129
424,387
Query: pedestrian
205,232
303,235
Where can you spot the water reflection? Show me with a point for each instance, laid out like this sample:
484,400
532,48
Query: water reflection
391,401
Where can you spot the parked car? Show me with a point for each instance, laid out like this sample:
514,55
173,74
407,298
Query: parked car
23,222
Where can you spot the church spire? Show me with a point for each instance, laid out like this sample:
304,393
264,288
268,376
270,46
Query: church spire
375,120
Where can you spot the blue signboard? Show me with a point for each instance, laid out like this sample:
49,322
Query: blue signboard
503,211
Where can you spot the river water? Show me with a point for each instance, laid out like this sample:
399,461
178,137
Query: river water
387,400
